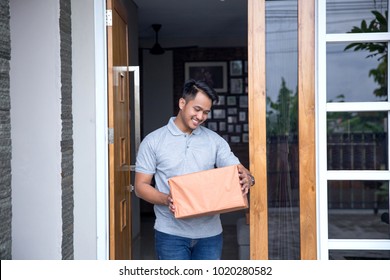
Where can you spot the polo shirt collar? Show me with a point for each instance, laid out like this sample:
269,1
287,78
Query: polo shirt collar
176,131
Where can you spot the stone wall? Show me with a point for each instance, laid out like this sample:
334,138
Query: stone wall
5,133
67,131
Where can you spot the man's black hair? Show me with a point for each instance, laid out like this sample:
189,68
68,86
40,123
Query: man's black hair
192,87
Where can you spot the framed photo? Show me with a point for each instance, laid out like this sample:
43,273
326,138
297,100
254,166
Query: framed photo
235,139
243,101
232,119
238,128
236,85
232,111
219,113
221,100
235,68
245,127
242,116
231,101
246,66
245,137
222,126
214,73
212,126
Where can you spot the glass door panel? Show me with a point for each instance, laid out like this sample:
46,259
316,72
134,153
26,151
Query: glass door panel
354,111
357,141
282,129
358,209
341,16
359,255
357,72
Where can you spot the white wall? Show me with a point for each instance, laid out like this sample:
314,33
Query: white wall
157,90
36,129
84,129
90,125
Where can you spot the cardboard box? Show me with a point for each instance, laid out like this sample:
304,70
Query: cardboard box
207,192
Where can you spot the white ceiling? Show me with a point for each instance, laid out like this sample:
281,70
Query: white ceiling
193,22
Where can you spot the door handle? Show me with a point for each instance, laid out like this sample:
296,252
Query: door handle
127,167
130,188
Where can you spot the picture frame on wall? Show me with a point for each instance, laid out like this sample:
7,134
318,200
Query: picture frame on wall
232,111
219,113
231,101
232,119
214,73
235,68
243,102
221,100
212,126
222,126
235,139
236,85
242,116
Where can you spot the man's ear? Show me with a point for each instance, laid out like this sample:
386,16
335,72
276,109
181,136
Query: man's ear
182,103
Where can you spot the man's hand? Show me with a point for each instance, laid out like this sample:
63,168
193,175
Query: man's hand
171,206
246,179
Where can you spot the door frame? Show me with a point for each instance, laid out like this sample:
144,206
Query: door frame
256,32
101,135
325,175
257,127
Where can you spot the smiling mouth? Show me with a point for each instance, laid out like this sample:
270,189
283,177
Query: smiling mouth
196,122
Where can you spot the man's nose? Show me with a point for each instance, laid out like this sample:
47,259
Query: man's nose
199,115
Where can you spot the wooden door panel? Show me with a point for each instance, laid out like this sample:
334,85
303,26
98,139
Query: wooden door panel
118,122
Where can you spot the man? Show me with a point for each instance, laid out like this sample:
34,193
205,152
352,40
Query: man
180,147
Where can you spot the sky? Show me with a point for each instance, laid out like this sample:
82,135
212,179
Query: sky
347,71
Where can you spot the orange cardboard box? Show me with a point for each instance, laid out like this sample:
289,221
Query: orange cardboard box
207,192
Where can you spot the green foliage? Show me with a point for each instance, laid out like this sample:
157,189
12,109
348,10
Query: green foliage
282,116
375,49
365,121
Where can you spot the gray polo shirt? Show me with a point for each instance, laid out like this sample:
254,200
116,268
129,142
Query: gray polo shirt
168,152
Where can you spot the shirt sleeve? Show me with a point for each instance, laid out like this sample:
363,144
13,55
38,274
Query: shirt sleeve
146,159
225,156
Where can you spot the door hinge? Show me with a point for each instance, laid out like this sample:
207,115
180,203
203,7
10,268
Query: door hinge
110,135
108,17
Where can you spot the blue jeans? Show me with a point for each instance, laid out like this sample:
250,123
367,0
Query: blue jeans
171,247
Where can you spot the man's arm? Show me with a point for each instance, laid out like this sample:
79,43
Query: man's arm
144,190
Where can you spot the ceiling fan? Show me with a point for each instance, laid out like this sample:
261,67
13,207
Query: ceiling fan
157,49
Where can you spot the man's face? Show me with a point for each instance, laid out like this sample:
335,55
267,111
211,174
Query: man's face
194,112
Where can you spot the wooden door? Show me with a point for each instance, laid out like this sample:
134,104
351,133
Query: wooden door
119,132
257,98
